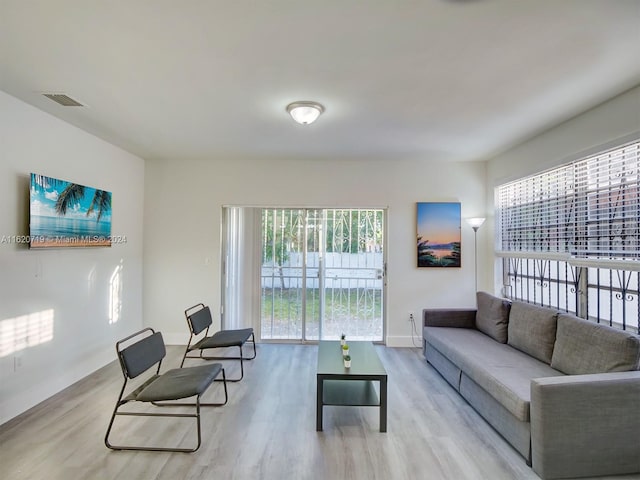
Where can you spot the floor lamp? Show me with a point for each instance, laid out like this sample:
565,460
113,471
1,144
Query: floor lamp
476,223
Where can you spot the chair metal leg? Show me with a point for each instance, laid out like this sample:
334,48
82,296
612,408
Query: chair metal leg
186,350
241,357
253,340
231,358
195,415
224,383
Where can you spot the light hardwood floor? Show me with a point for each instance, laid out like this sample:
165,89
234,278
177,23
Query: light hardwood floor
267,430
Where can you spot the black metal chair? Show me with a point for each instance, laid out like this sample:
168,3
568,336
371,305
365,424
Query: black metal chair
199,320
139,352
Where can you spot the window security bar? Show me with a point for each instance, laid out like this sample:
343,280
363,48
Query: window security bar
595,289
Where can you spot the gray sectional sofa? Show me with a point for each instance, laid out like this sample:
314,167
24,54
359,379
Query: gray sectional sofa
563,391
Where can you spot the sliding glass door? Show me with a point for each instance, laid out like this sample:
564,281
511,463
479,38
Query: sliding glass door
282,275
322,274
304,274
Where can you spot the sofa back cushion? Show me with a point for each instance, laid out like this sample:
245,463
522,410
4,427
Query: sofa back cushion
532,330
492,316
583,347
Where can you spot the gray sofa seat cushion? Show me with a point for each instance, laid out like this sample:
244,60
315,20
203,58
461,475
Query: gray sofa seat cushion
532,330
492,316
502,371
585,347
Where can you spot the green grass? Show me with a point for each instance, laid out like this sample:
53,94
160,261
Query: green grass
340,304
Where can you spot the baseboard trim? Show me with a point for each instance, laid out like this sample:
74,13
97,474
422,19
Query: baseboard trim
175,338
53,384
404,341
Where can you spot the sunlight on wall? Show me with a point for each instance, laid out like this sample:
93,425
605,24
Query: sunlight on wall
91,280
25,331
115,294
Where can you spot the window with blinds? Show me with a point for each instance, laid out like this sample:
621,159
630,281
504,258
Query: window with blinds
589,208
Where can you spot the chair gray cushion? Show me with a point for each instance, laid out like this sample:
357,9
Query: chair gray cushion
532,330
200,320
225,338
180,383
583,347
492,316
142,355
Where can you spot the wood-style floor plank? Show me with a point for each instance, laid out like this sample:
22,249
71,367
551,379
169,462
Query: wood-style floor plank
267,430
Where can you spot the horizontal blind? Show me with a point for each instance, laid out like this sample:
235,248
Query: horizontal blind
536,213
588,208
608,204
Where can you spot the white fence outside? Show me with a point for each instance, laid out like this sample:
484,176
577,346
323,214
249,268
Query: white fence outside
342,271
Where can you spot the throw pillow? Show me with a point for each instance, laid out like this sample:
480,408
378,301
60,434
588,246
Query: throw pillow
532,330
583,347
492,316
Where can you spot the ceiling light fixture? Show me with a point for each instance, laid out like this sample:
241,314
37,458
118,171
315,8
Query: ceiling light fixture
305,112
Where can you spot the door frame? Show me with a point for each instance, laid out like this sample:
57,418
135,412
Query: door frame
254,297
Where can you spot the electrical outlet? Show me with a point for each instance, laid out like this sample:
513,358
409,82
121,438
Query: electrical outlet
410,316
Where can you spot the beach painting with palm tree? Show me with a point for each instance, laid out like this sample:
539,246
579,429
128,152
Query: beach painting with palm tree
439,234
65,214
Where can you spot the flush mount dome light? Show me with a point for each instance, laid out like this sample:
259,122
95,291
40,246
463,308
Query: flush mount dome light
305,112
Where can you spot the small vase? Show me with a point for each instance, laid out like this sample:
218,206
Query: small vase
342,341
347,364
345,352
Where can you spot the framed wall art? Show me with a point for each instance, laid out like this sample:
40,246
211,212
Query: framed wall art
65,214
439,234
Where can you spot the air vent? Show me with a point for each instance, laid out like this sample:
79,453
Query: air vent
64,100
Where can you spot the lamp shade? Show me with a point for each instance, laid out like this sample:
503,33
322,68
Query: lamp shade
476,222
305,112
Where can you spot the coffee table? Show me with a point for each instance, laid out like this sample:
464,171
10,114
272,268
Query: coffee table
353,386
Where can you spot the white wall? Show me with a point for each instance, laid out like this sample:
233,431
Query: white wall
61,295
183,202
610,124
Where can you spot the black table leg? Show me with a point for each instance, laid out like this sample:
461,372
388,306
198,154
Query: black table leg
383,404
319,389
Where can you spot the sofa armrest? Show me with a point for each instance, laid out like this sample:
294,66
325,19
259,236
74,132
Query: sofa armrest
585,425
449,317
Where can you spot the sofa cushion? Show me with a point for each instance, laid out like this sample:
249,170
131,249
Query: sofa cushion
502,371
583,347
492,316
532,330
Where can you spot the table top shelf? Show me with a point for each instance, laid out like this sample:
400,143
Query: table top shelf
364,360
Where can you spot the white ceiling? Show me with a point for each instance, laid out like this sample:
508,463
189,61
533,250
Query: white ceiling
430,79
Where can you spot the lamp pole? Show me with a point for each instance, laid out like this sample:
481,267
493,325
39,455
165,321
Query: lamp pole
475,223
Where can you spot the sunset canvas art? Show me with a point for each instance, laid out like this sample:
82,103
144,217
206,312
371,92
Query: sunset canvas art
438,225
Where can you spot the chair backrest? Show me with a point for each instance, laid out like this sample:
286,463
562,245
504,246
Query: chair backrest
199,320
142,355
